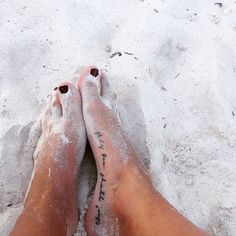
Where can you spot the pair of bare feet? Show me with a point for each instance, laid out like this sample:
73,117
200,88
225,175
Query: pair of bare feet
124,201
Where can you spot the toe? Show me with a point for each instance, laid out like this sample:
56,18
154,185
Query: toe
70,100
47,111
107,94
56,107
89,83
46,114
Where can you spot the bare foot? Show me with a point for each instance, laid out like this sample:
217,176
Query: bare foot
117,163
63,120
50,207
124,200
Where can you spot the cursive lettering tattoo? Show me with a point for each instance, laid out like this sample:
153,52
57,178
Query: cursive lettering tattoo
98,216
101,191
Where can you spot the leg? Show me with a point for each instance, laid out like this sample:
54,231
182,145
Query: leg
124,200
50,206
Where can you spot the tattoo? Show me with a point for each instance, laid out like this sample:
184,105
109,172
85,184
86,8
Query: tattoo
98,134
102,175
101,192
101,198
103,158
101,143
97,218
100,140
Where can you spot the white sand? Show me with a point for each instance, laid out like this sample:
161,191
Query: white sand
176,93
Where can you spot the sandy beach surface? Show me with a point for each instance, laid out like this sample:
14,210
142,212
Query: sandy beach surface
172,65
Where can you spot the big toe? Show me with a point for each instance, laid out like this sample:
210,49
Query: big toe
89,84
70,101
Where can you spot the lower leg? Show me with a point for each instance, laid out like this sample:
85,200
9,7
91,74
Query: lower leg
124,200
50,207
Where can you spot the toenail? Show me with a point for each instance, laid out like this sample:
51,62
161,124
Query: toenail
94,72
55,88
63,89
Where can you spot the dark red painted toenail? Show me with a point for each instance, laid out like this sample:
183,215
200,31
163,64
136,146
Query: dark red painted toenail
55,88
63,89
94,72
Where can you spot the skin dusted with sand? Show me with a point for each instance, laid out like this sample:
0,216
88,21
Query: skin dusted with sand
50,206
124,200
